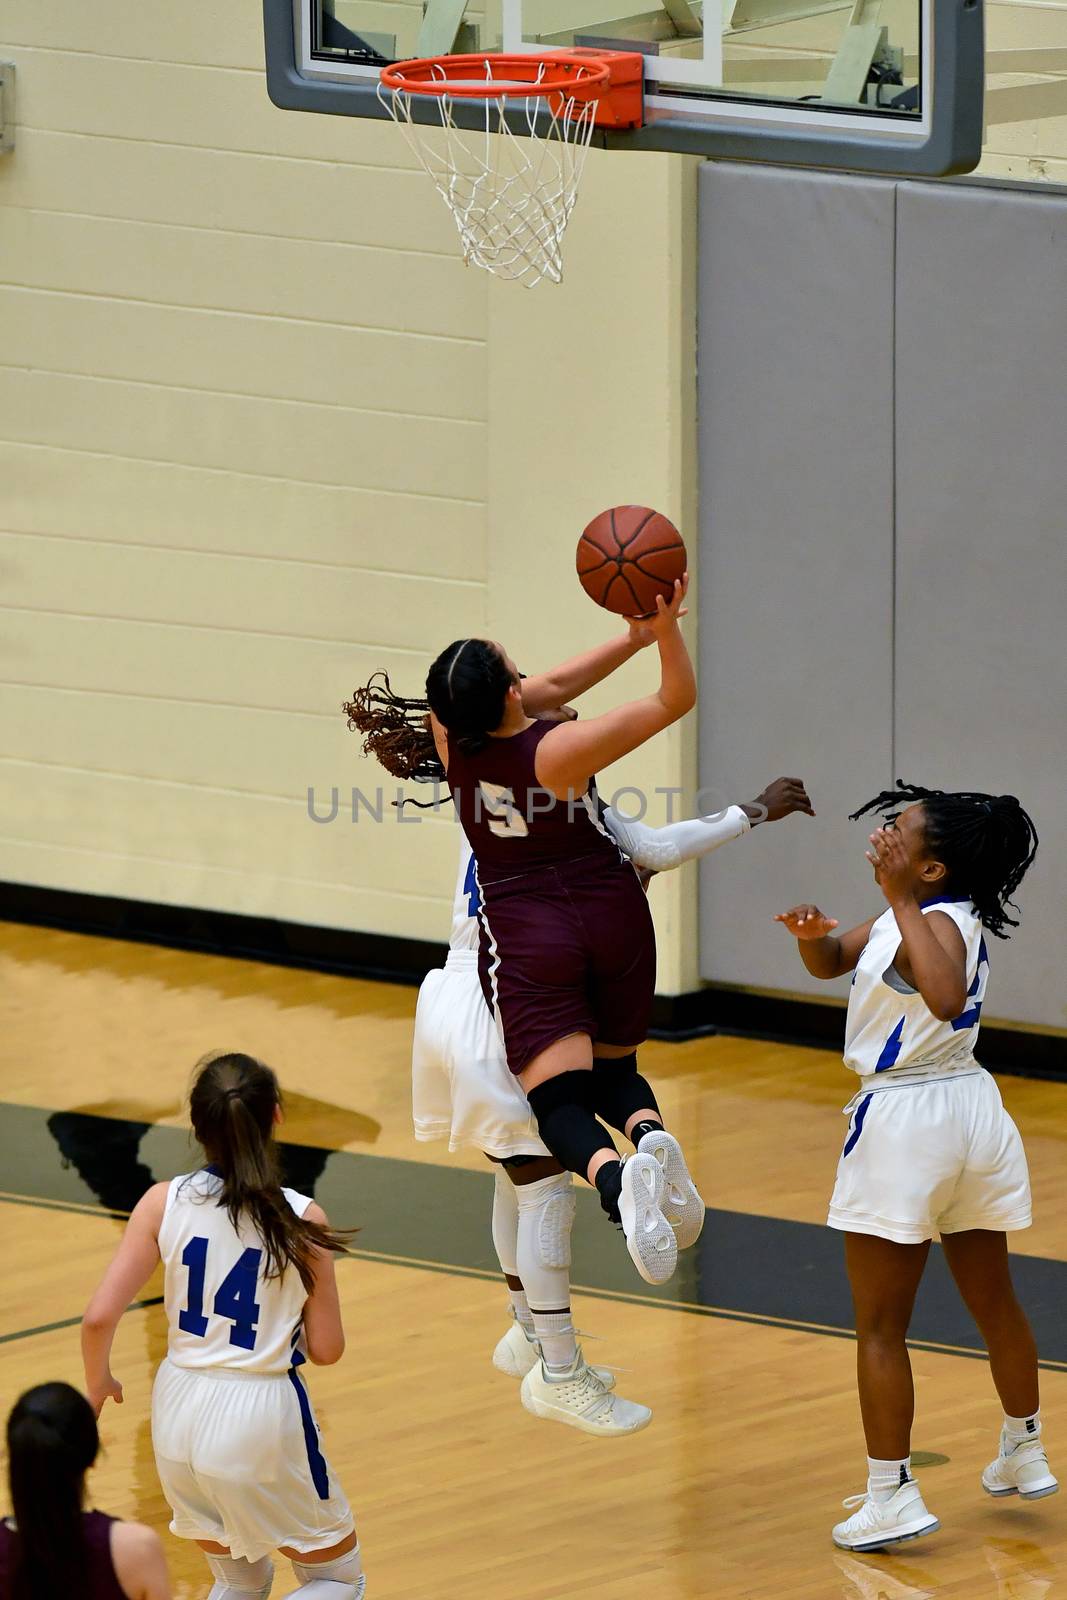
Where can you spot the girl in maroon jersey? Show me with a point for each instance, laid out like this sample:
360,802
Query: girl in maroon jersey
52,1547
568,951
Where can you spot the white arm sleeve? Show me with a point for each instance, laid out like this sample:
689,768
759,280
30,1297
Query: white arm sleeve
660,849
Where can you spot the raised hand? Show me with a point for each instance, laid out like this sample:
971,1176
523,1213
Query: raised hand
782,797
668,612
807,922
888,856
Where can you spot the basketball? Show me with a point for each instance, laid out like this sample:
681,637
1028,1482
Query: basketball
627,556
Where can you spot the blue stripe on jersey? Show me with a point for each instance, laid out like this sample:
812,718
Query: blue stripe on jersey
470,888
891,1048
857,1126
320,1472
970,1015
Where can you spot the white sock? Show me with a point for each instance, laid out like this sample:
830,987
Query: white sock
884,1478
555,1334
660,849
1018,1429
520,1307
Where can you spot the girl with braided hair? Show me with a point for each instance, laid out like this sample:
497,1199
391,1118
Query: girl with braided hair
462,1089
930,1148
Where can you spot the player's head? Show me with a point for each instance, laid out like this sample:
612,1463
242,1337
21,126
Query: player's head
468,688
972,844
234,1105
51,1444
396,732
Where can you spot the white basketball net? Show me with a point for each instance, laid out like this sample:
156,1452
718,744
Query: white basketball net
511,195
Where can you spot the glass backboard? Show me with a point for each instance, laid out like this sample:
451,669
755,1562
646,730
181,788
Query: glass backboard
865,85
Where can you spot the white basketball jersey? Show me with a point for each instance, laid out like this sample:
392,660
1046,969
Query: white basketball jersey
890,1028
221,1310
465,902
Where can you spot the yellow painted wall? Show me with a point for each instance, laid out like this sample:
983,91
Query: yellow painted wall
261,432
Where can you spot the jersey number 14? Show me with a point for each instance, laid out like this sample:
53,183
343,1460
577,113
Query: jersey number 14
235,1298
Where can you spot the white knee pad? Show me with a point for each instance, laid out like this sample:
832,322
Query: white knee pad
342,1579
546,1215
506,1224
236,1579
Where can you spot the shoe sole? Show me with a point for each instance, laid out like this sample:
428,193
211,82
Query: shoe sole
689,1207
649,1236
546,1413
930,1526
1041,1493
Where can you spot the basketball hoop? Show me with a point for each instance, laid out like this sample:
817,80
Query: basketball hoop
511,180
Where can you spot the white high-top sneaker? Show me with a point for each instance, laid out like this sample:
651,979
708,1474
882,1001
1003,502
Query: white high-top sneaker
1020,1469
881,1522
649,1236
682,1205
516,1355
581,1399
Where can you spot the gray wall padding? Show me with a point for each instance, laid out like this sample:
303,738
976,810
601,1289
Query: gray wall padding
796,462
883,562
981,696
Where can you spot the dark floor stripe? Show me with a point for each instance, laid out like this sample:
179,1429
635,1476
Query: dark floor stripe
767,1270
70,1322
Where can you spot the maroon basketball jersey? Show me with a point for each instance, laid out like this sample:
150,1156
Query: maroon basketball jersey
513,824
100,1582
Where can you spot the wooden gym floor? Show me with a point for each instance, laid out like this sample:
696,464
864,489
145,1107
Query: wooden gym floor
746,1358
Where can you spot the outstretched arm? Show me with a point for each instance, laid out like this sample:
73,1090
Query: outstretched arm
661,849
569,755
134,1263
547,691
824,955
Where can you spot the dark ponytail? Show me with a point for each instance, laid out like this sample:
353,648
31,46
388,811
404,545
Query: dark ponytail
467,687
232,1105
51,1444
985,841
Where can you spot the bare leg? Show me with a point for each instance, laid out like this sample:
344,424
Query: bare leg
884,1277
978,1260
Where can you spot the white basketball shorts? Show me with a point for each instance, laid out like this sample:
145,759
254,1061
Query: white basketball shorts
938,1156
240,1463
461,1089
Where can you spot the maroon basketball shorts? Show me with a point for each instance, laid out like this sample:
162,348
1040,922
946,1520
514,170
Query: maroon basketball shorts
568,950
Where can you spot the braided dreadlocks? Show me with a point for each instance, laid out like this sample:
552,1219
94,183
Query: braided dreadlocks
986,842
396,731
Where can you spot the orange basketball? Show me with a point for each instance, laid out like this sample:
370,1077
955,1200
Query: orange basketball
627,556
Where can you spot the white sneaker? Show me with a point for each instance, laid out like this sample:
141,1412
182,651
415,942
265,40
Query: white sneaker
881,1522
649,1236
1020,1469
581,1399
682,1205
516,1355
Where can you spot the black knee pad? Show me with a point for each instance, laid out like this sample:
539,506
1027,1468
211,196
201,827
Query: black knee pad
624,1066
566,1122
620,1090
567,1089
